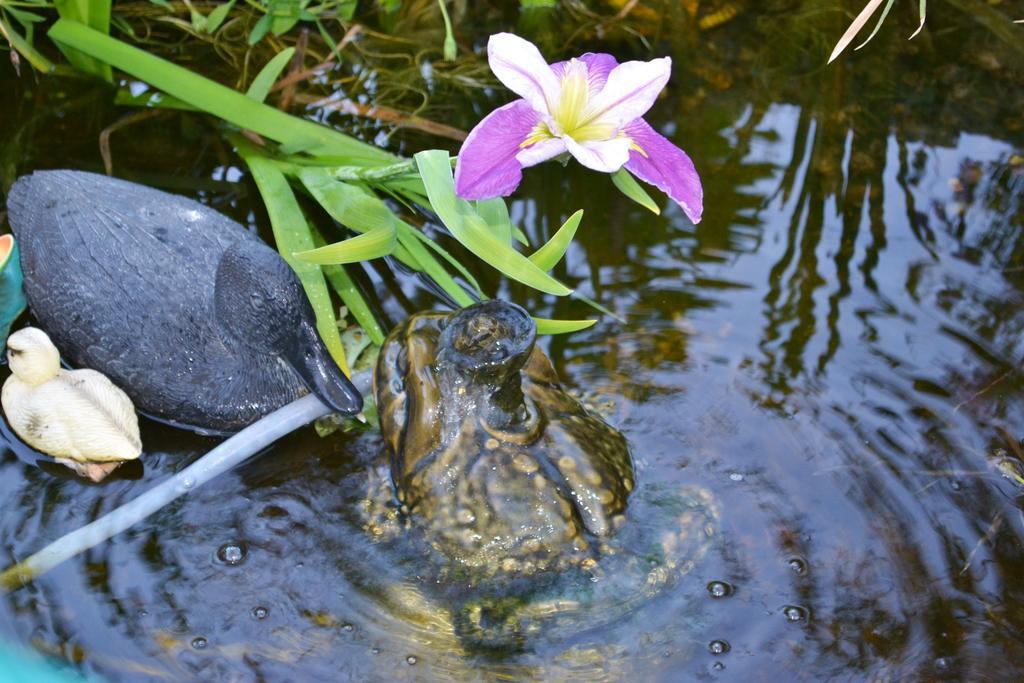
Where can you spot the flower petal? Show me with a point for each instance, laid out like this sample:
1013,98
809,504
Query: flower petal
599,65
487,165
666,167
541,151
631,89
606,156
519,65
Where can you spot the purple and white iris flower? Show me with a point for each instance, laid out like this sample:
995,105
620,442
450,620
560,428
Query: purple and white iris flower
589,107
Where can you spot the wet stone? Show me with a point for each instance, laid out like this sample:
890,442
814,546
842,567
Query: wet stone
720,589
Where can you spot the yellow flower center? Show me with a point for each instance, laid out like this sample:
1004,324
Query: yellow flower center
572,115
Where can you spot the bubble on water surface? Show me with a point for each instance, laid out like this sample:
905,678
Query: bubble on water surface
736,476
797,565
348,628
260,612
720,589
411,660
199,643
794,613
718,647
718,666
943,663
232,553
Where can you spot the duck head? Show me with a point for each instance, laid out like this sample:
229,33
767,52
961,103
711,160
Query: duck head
32,356
260,304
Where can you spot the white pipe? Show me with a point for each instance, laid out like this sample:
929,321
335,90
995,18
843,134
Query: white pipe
224,457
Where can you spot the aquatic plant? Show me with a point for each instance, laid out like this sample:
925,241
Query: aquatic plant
590,108
344,176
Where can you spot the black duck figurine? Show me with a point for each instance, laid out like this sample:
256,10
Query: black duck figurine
199,321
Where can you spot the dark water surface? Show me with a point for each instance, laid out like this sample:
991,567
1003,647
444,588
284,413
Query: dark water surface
833,353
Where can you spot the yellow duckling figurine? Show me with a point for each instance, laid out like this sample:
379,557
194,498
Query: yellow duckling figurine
77,416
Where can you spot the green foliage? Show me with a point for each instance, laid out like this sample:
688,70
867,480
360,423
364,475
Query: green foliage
281,16
96,15
344,176
264,81
862,19
628,186
23,44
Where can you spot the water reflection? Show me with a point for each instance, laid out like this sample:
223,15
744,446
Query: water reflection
834,353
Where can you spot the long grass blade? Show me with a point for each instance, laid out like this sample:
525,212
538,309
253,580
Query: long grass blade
94,14
922,12
24,48
495,215
554,249
216,99
353,299
469,228
548,326
854,28
627,185
878,25
376,243
429,266
260,86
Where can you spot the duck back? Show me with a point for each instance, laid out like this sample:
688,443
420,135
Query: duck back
122,278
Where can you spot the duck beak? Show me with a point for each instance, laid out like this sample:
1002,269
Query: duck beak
321,375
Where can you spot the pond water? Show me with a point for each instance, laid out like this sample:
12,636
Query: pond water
833,354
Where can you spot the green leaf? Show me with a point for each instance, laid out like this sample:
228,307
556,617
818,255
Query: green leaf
628,186
469,228
264,81
881,20
547,326
495,215
216,99
454,262
922,13
354,301
260,29
12,297
348,204
26,19
150,100
376,243
449,49
552,252
427,264
292,234
216,17
34,57
196,17
94,14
